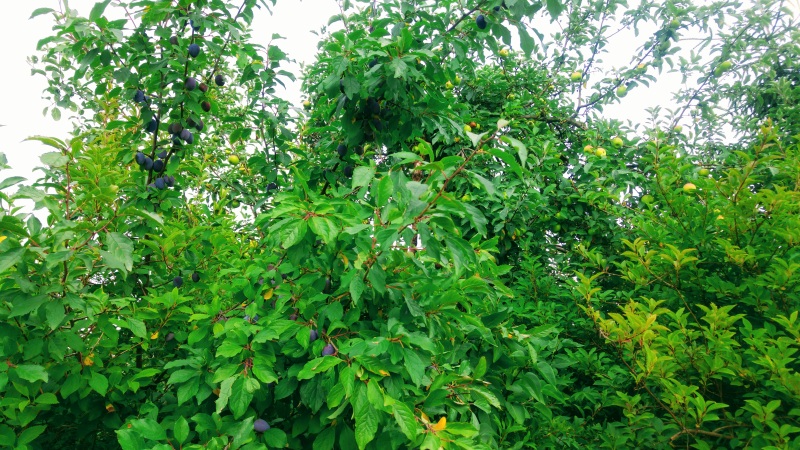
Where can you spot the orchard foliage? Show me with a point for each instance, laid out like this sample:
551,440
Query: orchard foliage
446,245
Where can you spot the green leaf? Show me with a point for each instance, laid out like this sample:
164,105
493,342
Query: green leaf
224,393
99,383
32,373
480,368
54,159
293,232
316,366
362,176
39,11
97,10
406,420
51,142
325,440
11,181
10,257
366,425
26,305
526,42
356,287
241,396
120,252
324,228
129,439
181,430
555,7
384,191
137,327
29,434
149,428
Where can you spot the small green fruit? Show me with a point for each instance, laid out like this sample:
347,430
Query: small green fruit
503,52
449,85
622,90
576,76
617,141
233,159
677,128
703,172
467,128
601,152
648,199
689,188
457,80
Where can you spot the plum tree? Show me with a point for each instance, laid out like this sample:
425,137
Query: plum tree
348,171
158,165
328,350
177,281
203,88
341,150
313,335
140,158
194,50
206,105
139,96
195,277
160,184
219,80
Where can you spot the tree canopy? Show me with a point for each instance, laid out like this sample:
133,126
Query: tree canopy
448,244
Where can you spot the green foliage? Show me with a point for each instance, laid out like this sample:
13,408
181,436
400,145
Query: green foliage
445,247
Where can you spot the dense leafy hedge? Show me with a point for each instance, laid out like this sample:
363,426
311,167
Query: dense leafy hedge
445,246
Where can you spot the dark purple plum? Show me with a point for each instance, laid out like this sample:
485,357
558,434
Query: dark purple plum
203,87
140,158
313,336
219,80
152,126
328,350
170,180
163,154
195,277
186,135
139,97
191,84
260,425
177,281
480,21
194,50
160,184
341,150
148,163
348,171
158,165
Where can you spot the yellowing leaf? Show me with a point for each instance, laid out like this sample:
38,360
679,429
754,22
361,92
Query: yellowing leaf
383,372
441,425
425,418
268,294
3,238
88,360
154,336
344,258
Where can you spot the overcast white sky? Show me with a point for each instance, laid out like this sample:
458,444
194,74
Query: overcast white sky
22,104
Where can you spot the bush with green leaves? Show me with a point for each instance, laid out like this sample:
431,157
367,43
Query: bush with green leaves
446,246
